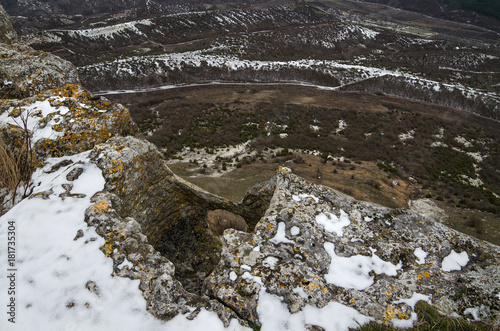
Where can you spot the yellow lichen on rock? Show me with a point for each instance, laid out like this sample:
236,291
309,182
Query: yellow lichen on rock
392,313
100,207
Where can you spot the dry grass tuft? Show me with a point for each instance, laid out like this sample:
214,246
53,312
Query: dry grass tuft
10,170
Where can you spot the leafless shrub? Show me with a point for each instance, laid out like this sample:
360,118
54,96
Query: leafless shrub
10,173
220,220
16,163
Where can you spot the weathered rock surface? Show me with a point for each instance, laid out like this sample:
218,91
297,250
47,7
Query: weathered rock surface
7,32
24,71
171,212
63,121
303,250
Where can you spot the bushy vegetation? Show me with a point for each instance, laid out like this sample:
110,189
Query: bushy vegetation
369,136
487,7
16,167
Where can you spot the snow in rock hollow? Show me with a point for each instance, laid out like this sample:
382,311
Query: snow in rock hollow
353,272
280,236
408,323
420,254
301,197
332,223
455,261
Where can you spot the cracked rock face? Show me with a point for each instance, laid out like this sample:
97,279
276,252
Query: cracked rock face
171,212
25,72
315,246
7,32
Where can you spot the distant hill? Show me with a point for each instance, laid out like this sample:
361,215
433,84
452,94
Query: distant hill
485,13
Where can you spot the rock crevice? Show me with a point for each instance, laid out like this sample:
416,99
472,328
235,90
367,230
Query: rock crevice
171,212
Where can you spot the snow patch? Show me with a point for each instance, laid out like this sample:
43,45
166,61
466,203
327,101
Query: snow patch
478,313
353,272
406,136
280,236
455,261
270,262
420,254
301,197
463,141
274,315
416,297
332,223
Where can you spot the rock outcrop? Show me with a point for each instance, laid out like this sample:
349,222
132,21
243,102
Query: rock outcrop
7,33
63,121
24,71
172,213
315,246
310,250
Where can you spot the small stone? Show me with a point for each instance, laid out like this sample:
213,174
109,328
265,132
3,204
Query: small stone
92,287
44,195
74,174
79,234
59,165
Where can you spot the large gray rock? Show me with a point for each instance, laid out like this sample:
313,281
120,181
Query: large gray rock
7,32
315,246
171,212
24,72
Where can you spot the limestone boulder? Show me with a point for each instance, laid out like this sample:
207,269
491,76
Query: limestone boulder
315,247
24,72
7,33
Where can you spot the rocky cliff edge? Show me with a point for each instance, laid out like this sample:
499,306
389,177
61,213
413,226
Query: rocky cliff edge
312,259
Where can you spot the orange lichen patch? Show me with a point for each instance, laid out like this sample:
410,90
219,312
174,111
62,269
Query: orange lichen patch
71,90
108,247
100,207
312,286
118,167
391,313
423,274
353,301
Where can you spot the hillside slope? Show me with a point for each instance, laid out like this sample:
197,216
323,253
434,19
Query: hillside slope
103,235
